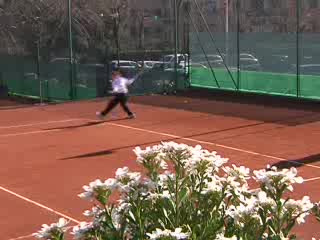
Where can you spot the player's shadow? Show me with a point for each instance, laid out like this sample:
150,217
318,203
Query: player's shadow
297,162
88,155
109,151
88,124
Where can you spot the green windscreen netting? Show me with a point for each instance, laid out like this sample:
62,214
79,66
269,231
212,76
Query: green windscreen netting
262,46
265,46
62,50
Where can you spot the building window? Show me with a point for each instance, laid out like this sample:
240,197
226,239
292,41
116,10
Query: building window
313,3
212,6
257,4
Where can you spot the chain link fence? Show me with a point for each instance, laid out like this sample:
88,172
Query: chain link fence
65,49
264,46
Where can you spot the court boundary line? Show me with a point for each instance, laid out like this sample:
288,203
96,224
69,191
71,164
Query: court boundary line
39,205
311,179
41,123
207,143
148,131
137,129
12,107
22,237
29,133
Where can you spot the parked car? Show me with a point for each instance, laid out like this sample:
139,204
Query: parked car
62,61
129,68
123,64
215,60
182,60
147,64
250,64
310,69
248,56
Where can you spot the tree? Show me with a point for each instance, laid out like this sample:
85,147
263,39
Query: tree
48,21
118,14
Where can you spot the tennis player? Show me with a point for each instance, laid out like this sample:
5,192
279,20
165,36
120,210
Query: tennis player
120,92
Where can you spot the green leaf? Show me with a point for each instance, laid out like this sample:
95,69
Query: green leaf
183,194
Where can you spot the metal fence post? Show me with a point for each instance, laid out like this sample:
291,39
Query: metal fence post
71,93
298,46
175,44
238,45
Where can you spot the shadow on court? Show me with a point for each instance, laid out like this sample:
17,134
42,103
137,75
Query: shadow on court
298,162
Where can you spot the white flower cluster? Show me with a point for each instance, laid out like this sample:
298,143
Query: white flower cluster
151,156
264,201
54,229
96,188
177,234
285,177
248,209
222,237
239,173
190,157
96,211
124,182
196,156
194,188
299,208
83,231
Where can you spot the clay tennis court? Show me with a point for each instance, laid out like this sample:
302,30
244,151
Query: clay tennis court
49,152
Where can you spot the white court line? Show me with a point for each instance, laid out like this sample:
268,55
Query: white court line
207,143
38,204
162,134
41,123
311,179
22,237
12,107
29,133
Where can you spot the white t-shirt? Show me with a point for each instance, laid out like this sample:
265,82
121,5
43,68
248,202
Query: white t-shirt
120,84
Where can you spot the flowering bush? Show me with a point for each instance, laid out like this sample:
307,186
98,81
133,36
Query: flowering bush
189,193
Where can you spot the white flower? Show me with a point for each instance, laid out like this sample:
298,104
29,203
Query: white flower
213,186
52,230
96,211
127,181
172,146
164,178
62,223
177,234
122,173
82,231
153,196
299,208
245,210
111,183
199,158
241,172
165,194
96,188
150,185
285,177
232,186
123,206
264,201
151,156
222,237
116,218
